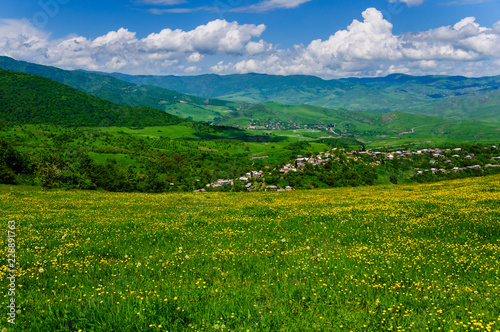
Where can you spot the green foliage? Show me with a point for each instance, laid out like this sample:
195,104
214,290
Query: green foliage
11,163
29,99
7,175
47,174
125,93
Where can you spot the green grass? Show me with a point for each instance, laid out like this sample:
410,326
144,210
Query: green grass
172,132
383,258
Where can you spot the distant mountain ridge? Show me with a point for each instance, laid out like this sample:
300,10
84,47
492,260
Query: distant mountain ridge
32,99
454,97
219,99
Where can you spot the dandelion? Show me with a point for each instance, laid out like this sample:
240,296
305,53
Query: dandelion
126,256
283,240
64,236
138,264
216,326
319,255
186,257
308,247
426,298
40,270
180,248
388,262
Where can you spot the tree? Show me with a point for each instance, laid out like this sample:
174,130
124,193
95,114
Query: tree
7,175
47,174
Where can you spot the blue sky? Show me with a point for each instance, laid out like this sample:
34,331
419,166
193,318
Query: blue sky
330,39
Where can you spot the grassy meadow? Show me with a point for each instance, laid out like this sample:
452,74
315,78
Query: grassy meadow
383,258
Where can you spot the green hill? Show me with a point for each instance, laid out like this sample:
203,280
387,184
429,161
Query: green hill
126,93
30,99
342,123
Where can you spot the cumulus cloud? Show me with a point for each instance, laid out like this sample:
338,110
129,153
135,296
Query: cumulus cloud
370,48
367,47
122,49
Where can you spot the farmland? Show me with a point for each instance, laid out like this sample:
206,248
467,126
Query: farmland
383,258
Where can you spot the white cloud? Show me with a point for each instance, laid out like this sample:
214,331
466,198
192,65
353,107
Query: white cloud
161,2
262,7
254,48
465,2
371,39
195,57
122,50
269,5
370,48
367,47
409,2
157,11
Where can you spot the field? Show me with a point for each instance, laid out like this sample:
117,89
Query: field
384,258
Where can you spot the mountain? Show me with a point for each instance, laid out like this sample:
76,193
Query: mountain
126,93
216,96
31,99
453,97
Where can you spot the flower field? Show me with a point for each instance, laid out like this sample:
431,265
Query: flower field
385,258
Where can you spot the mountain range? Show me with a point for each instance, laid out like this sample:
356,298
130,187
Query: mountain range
207,97
150,104
454,97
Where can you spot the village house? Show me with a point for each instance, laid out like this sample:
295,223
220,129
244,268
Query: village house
288,168
271,188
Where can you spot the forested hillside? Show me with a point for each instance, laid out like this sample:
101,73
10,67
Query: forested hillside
126,93
29,99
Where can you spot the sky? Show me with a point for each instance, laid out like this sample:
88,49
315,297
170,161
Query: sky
325,38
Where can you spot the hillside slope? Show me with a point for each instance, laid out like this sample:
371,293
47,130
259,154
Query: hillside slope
30,99
126,93
337,123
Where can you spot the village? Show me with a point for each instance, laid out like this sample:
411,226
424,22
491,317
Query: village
432,160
